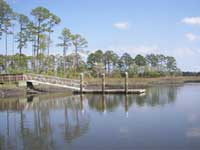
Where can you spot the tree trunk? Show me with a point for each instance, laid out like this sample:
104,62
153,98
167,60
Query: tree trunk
48,46
64,65
34,51
20,44
109,68
38,46
6,47
13,44
76,57
48,51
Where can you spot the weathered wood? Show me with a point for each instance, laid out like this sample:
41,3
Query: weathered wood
56,85
55,81
9,79
103,83
4,78
112,91
126,82
78,86
81,82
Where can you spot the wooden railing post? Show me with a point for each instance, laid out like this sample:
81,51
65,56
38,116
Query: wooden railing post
103,83
81,83
126,82
8,78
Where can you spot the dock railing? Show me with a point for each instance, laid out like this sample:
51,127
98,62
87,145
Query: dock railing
55,80
4,78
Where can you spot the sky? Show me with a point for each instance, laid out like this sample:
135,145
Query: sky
169,27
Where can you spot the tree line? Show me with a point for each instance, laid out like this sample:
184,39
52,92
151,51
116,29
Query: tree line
151,65
34,33
98,62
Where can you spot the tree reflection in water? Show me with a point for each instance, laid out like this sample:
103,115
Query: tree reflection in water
39,123
53,122
76,119
157,96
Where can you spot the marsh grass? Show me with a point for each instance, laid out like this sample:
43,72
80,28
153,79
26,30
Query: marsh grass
139,82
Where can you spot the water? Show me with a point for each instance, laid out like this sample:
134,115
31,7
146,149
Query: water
166,117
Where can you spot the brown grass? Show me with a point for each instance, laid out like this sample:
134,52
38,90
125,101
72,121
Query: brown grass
140,82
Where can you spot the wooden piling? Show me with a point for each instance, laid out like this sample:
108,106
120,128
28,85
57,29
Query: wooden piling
8,78
103,83
81,83
126,82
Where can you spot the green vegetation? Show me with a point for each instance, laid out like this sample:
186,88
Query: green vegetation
36,31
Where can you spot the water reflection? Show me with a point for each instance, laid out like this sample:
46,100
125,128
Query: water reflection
36,123
158,96
47,122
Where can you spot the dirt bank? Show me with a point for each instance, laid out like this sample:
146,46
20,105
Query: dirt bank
12,91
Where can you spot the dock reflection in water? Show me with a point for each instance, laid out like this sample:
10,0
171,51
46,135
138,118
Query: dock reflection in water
58,122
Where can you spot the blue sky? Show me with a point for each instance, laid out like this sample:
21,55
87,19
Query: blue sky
170,27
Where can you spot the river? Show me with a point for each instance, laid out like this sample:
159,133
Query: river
166,117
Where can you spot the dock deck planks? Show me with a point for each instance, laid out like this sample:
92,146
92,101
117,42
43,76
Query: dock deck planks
111,91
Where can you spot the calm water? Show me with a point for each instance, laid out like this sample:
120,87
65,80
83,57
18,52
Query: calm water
166,117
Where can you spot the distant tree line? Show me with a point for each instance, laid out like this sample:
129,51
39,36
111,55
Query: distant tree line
150,65
190,73
34,33
96,63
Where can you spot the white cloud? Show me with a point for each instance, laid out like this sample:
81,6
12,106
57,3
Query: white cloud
121,25
191,36
134,50
143,50
191,20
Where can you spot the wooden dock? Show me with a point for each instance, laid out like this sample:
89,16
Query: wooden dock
103,90
76,86
111,91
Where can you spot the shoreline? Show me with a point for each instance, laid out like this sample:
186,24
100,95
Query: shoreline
11,90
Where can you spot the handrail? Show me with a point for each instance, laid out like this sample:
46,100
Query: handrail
42,78
11,78
60,78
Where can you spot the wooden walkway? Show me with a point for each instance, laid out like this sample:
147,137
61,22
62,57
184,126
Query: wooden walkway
54,81
77,86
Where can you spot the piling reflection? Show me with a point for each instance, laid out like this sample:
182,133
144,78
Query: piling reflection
158,96
102,103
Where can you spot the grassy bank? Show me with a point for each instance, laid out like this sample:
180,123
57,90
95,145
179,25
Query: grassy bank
140,82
